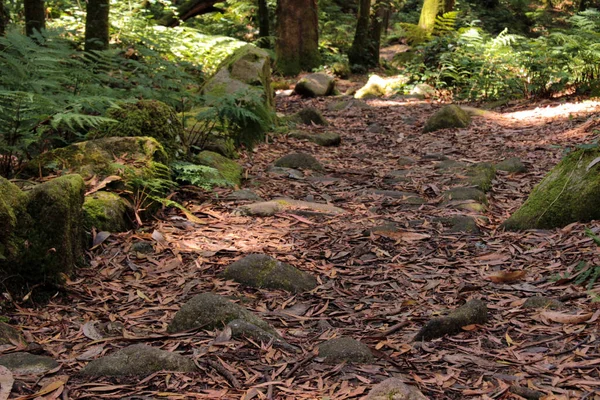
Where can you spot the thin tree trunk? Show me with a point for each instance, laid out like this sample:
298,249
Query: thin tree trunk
358,55
96,25
263,19
377,24
35,16
431,9
297,44
3,18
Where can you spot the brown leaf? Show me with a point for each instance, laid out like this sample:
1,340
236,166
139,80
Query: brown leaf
562,318
507,276
6,382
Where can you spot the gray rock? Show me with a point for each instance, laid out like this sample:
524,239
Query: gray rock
299,161
481,176
308,116
10,335
138,360
394,389
404,161
263,271
512,165
27,364
543,302
269,208
342,349
464,193
142,247
315,85
473,312
450,116
435,157
287,172
407,197
244,194
211,311
241,328
325,139
396,176
375,128
450,165
460,223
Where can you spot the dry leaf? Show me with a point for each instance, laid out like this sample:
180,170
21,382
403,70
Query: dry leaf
562,318
90,331
6,382
507,276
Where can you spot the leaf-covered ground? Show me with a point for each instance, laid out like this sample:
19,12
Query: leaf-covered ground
375,287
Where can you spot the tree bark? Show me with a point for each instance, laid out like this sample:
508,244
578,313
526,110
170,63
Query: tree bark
35,16
297,44
3,18
431,9
359,53
377,24
96,25
263,19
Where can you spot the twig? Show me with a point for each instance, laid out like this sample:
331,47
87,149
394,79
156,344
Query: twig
221,370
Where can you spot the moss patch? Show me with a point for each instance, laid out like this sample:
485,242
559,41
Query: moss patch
228,169
325,139
12,206
345,349
481,176
450,116
512,165
308,116
568,193
106,211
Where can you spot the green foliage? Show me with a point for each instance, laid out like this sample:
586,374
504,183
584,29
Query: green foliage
198,175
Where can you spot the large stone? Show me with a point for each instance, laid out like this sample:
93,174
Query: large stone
308,116
128,157
473,312
512,165
138,360
248,69
377,86
450,116
27,364
211,311
106,211
263,271
54,231
299,161
394,389
315,85
148,118
12,207
345,349
229,170
325,139
568,193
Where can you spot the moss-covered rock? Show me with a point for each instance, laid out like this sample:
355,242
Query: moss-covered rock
147,118
243,195
12,207
481,176
138,360
513,165
377,86
348,104
464,193
345,349
460,224
269,208
308,116
10,335
106,211
315,85
299,161
394,389
241,328
248,69
543,302
341,69
450,116
568,193
325,139
211,311
263,271
127,157
473,312
27,364
228,169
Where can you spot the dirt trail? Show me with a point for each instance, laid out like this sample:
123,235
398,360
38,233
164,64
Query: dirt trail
376,287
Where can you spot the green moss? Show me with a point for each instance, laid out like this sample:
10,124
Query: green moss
308,116
228,169
11,207
345,349
481,176
568,193
106,211
150,118
299,161
450,116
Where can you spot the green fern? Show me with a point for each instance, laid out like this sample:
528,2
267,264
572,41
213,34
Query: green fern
198,175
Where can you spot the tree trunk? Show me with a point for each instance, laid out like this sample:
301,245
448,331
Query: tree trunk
377,24
35,16
96,25
431,9
359,54
263,19
297,44
3,18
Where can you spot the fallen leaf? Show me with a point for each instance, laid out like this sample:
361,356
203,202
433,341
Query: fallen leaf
6,382
90,331
507,276
562,318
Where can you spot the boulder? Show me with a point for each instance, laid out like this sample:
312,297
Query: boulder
228,169
12,208
138,360
263,271
211,311
345,349
299,161
248,69
54,230
513,165
10,335
315,85
568,193
481,176
325,139
308,116
147,118
106,211
472,312
127,157
377,86
394,389
450,116
27,364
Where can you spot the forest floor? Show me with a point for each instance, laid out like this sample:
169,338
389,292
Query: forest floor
375,287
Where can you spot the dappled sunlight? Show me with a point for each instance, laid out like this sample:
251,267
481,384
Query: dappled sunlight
566,110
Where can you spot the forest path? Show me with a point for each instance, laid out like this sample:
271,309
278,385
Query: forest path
379,287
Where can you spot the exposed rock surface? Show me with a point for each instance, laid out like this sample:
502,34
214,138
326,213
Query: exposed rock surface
473,312
299,161
244,194
460,223
543,302
263,271
10,335
342,349
512,165
326,139
394,389
481,176
241,328
315,85
308,116
138,360
210,311
269,208
450,116
27,364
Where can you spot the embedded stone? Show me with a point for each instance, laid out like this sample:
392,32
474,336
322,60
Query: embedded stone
345,349
325,139
27,364
472,312
513,165
450,116
543,302
308,116
315,85
299,161
394,389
